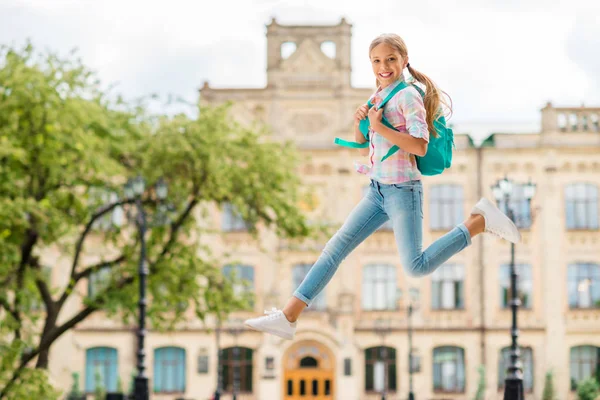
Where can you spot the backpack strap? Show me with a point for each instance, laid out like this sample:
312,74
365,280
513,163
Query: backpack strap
364,124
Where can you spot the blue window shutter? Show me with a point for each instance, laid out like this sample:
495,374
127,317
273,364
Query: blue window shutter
89,370
158,378
111,376
104,359
169,370
182,370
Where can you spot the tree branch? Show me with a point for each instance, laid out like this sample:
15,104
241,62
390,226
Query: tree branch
86,273
4,303
55,333
175,226
26,250
88,228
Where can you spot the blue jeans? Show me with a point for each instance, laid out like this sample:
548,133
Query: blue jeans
403,205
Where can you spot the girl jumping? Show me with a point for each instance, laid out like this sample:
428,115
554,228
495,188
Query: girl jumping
395,192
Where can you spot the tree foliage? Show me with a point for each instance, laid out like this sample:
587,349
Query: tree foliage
66,149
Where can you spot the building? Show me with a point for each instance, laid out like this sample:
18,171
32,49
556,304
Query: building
461,320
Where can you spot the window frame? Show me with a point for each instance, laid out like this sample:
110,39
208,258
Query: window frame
439,277
389,278
457,350
438,200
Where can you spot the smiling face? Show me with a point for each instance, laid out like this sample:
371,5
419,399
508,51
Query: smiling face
387,64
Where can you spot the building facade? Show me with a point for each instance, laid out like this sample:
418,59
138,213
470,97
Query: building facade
353,342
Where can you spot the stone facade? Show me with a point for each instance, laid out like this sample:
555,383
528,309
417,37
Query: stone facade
309,99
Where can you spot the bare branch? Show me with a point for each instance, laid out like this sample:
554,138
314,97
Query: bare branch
86,273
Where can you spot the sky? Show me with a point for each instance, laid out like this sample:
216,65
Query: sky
501,61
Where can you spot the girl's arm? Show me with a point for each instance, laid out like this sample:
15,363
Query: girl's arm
410,104
359,138
408,143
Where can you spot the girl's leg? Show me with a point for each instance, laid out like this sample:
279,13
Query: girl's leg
404,205
366,217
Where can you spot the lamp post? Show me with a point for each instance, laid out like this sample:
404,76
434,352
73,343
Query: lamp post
219,389
502,191
134,188
412,305
235,330
382,328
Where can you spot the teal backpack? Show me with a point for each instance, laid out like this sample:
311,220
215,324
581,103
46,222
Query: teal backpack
439,149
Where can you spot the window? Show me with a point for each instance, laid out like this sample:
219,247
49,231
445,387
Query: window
380,369
328,48
101,366
169,370
232,221
287,49
526,361
387,225
239,358
581,200
98,281
585,364
446,208
101,197
449,369
298,274
379,287
520,206
447,287
584,285
244,276
524,285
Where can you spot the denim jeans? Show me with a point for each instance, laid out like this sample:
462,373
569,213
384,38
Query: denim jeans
402,204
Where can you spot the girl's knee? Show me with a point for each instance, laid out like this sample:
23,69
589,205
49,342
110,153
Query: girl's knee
414,268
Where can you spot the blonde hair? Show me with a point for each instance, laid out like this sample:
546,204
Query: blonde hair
433,95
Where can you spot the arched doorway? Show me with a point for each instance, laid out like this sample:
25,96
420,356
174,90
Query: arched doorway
309,368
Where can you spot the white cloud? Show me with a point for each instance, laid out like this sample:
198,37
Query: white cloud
500,60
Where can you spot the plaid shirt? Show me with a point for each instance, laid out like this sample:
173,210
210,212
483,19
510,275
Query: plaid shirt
406,112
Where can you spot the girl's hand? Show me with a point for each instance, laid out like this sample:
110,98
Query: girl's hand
361,113
375,116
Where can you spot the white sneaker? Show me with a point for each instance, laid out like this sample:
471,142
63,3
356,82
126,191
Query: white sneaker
275,323
496,222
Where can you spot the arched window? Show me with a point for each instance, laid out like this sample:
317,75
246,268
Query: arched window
328,48
380,369
527,362
236,367
449,369
287,49
585,363
101,366
169,370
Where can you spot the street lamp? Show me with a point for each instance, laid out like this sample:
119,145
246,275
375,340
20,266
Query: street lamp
134,189
413,302
235,330
219,389
382,328
502,191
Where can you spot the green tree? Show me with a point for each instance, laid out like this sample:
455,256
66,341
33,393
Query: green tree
549,391
588,389
64,144
99,390
480,395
